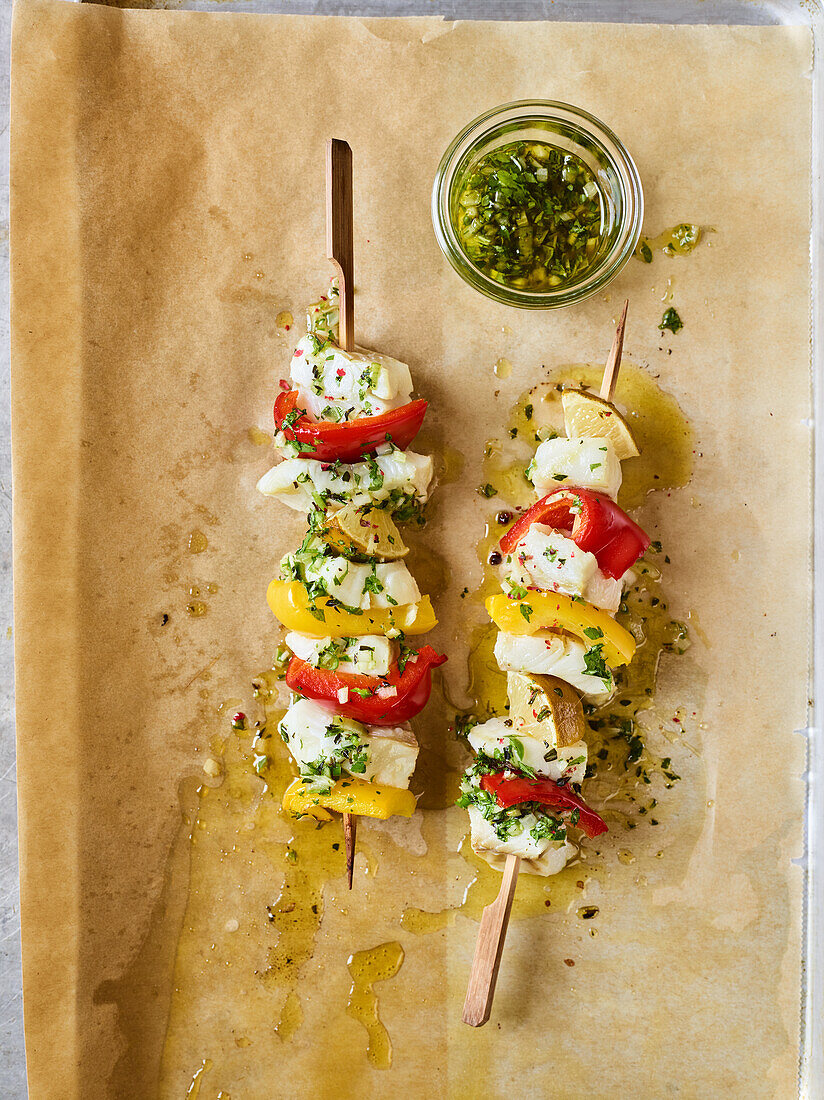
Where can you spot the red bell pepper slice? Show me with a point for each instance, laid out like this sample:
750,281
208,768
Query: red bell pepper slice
348,440
511,792
591,520
413,687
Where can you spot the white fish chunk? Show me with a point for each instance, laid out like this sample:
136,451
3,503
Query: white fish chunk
296,481
370,655
498,740
580,462
360,585
548,560
317,736
552,655
335,385
539,857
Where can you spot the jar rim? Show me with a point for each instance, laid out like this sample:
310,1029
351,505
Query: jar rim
576,120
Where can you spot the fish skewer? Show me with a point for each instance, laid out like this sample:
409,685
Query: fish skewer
495,918
340,249
345,421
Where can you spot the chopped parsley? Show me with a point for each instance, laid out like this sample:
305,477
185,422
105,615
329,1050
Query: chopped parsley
507,822
344,751
595,664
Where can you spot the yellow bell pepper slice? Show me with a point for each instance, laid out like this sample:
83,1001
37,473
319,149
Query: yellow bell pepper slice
290,603
555,611
348,796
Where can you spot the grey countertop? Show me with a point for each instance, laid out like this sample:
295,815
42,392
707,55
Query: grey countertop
12,1055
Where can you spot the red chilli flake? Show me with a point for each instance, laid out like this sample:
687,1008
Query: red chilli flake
284,385
298,351
340,372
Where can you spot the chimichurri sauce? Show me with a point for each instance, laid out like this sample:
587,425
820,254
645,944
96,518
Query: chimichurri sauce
529,215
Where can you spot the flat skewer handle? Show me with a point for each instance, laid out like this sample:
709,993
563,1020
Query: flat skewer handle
490,948
340,237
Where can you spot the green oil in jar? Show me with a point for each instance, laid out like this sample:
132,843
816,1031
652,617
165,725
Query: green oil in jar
530,216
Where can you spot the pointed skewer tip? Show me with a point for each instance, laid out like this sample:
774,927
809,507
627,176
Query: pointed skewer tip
350,827
613,365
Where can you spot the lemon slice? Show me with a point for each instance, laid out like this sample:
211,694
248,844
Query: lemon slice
592,417
369,531
545,707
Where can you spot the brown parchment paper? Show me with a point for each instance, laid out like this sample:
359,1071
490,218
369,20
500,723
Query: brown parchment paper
167,202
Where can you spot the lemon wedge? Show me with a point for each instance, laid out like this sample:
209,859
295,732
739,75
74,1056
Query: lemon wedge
369,531
545,707
593,418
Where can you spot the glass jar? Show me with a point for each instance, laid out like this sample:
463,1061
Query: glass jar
571,130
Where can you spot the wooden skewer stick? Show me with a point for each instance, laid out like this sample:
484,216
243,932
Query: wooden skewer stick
490,948
340,236
495,918
610,378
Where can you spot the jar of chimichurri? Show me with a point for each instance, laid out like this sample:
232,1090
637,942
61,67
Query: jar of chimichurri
537,204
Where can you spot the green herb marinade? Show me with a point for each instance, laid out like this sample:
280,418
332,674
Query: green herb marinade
671,321
529,216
